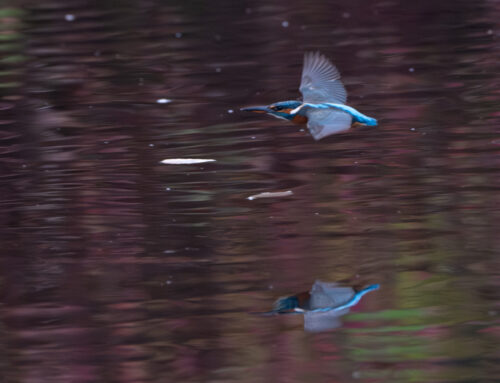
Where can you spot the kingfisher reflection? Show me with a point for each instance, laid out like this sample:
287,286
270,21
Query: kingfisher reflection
322,306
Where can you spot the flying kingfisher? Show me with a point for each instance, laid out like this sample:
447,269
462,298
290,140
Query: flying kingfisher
323,107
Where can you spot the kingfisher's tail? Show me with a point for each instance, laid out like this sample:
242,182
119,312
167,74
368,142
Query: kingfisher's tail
356,116
369,121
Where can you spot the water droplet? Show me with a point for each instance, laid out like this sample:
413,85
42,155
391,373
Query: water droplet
230,111
69,17
490,31
346,15
411,70
168,189
285,24
218,70
151,145
178,35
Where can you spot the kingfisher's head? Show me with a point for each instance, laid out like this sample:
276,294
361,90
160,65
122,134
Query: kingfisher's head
280,109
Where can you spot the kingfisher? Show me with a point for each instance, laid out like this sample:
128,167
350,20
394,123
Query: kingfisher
323,106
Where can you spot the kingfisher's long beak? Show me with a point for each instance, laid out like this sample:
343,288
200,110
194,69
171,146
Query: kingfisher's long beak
256,109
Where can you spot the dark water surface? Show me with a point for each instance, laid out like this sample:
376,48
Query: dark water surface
117,268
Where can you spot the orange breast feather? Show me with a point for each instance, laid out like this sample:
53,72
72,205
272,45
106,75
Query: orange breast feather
298,119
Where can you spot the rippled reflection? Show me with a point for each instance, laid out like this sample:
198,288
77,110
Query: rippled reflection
116,267
322,305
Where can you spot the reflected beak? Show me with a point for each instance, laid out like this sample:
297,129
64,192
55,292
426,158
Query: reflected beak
256,109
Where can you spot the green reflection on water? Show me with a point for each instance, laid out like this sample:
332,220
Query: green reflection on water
13,59
11,12
386,314
11,45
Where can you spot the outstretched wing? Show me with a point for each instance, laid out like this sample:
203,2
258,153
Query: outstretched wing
324,122
321,81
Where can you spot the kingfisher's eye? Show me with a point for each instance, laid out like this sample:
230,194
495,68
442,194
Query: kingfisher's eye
276,108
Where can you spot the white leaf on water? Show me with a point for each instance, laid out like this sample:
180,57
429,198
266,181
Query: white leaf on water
186,161
271,195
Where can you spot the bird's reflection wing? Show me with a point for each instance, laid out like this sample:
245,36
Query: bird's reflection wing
321,81
324,122
317,322
324,294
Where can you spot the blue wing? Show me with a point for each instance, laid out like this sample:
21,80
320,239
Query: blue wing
324,122
321,81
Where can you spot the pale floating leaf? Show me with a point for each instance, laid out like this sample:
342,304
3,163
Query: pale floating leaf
186,161
271,195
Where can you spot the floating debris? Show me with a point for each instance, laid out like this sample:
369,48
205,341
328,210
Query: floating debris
185,161
271,195
163,101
